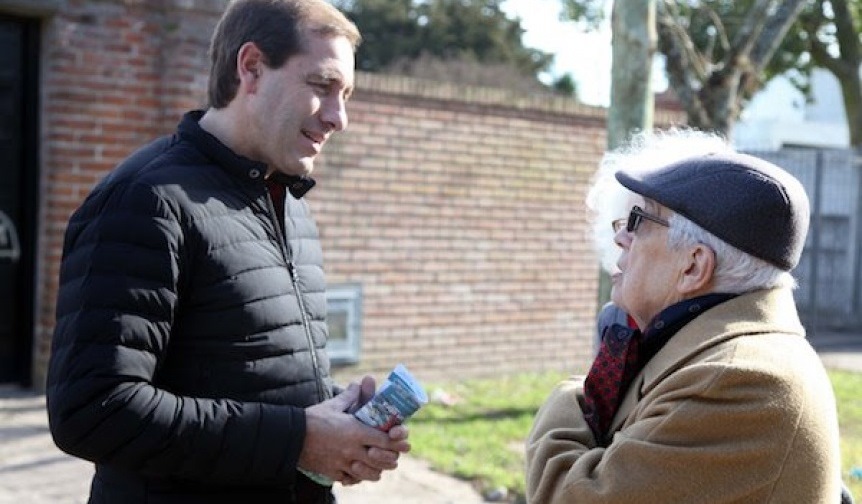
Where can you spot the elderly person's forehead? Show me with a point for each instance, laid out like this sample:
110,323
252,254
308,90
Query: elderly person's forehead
743,200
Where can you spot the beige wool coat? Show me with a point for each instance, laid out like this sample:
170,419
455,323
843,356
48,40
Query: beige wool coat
736,408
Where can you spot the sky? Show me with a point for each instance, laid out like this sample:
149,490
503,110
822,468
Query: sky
587,56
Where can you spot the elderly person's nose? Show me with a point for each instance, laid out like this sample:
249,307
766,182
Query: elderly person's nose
623,238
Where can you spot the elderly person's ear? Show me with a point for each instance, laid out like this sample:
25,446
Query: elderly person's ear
697,276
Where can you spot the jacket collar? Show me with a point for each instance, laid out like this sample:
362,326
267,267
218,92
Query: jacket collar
297,186
190,130
762,311
670,320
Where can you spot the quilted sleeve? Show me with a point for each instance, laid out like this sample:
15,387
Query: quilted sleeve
121,267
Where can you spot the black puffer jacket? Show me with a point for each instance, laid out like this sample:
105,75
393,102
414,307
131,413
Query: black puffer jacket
188,340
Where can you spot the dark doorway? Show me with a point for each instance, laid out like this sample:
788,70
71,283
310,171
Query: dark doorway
18,195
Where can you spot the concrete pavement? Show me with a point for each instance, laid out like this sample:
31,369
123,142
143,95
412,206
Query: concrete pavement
34,471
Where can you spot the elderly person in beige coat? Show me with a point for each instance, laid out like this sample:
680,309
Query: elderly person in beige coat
719,397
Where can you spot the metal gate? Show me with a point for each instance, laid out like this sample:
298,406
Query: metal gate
829,296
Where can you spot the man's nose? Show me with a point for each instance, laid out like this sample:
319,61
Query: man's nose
334,113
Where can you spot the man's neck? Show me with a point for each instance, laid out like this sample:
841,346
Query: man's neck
221,124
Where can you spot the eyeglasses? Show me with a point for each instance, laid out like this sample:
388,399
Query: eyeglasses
634,220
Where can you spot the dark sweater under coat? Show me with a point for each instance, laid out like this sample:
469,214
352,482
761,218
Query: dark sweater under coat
189,338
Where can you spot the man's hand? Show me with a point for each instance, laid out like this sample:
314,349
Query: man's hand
366,391
342,448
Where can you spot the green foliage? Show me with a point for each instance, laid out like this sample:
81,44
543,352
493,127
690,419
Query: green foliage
566,85
459,30
481,436
588,12
712,24
816,40
390,30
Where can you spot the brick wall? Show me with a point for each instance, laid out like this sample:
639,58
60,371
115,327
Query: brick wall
459,210
115,75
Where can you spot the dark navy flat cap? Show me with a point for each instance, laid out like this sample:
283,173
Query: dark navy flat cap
749,203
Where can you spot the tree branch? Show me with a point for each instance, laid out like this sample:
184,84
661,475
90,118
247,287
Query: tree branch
685,69
819,48
773,32
719,26
751,28
678,42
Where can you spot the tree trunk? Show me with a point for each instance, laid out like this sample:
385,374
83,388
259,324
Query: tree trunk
846,67
633,45
851,90
631,108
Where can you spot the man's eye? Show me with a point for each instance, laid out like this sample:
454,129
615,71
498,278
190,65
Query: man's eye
331,88
322,86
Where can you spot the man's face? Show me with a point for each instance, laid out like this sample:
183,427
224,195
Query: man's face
649,270
298,106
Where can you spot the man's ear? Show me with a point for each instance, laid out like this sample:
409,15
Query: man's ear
699,269
249,62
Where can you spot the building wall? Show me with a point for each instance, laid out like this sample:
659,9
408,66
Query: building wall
459,210
115,74
461,213
779,115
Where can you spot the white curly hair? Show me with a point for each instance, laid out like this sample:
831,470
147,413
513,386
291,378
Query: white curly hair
607,200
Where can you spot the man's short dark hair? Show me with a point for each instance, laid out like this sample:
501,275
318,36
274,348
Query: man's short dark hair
277,27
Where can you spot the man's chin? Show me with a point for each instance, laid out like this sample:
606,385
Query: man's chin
306,166
299,168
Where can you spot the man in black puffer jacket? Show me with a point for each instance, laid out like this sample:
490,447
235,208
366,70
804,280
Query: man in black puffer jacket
188,358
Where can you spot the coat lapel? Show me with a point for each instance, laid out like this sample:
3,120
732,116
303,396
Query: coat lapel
760,311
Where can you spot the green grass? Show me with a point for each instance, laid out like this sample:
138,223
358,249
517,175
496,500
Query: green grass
848,394
481,437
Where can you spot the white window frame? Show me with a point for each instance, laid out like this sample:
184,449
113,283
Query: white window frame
345,298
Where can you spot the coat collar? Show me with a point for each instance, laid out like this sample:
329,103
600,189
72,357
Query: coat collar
762,311
248,169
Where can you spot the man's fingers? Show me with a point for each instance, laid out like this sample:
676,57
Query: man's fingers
346,479
399,433
364,472
382,459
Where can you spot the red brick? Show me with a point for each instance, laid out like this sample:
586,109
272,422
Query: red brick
459,210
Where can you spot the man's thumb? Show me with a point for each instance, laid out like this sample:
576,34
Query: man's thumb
347,398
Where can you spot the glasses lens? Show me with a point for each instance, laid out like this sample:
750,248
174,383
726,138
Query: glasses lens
619,224
634,220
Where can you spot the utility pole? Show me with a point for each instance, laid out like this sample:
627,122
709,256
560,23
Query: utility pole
633,43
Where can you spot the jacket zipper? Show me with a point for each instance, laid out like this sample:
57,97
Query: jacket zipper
321,390
287,254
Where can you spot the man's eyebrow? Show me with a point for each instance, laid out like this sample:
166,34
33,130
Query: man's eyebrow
328,75
333,76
